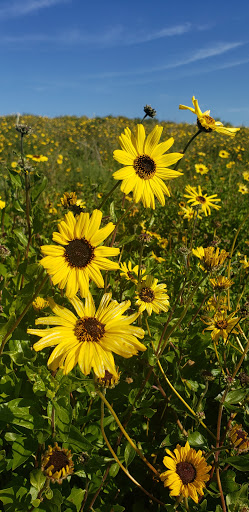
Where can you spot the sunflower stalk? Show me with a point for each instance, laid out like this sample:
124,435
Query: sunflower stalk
108,405
186,147
127,473
27,201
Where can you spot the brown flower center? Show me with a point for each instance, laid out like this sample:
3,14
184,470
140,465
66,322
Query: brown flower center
221,324
186,472
206,123
89,329
144,167
79,253
201,199
59,460
147,295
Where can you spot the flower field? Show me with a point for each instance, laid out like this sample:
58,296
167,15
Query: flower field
124,300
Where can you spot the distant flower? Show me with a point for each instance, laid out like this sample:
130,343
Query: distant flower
79,257
189,213
211,258
159,259
197,198
152,296
206,123
245,263
38,158
57,463
90,339
201,168
246,175
229,165
68,199
146,165
224,154
187,472
243,189
2,204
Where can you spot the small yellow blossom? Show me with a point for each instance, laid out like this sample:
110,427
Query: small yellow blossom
201,169
224,154
211,258
246,175
243,189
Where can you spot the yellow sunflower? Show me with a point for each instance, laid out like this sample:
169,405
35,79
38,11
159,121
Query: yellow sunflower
239,438
201,169
197,198
90,339
152,296
79,258
211,258
131,274
57,463
221,325
246,175
187,472
224,154
221,283
243,189
146,165
206,123
38,158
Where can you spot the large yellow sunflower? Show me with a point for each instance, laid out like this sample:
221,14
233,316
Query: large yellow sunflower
146,165
152,296
197,198
90,339
206,123
187,472
79,258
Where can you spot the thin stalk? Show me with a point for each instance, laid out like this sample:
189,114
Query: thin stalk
5,338
108,195
183,314
186,147
217,357
27,201
119,221
231,253
222,499
183,401
120,463
108,405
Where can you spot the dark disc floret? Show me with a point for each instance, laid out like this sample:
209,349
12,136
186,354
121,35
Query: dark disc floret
89,329
186,472
79,253
144,166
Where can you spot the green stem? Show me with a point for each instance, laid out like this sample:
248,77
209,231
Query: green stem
118,461
126,434
6,337
186,147
231,253
119,221
108,195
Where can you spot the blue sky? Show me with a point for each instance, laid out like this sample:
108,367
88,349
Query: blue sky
101,57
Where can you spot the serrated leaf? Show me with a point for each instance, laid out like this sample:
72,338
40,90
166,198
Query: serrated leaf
239,462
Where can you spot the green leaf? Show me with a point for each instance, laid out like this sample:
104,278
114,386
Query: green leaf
114,469
76,497
37,479
129,454
77,441
7,327
38,188
196,439
233,397
20,351
63,416
15,179
21,412
3,270
21,236
22,449
240,462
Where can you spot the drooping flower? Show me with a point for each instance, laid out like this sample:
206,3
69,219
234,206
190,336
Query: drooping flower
146,165
239,438
206,123
57,463
90,339
79,258
189,213
197,198
187,472
211,258
152,296
221,325
201,169
221,283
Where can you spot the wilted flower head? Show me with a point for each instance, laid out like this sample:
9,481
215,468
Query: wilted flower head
56,463
39,303
149,111
239,438
211,258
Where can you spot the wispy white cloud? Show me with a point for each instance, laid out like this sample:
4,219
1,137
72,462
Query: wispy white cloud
16,8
